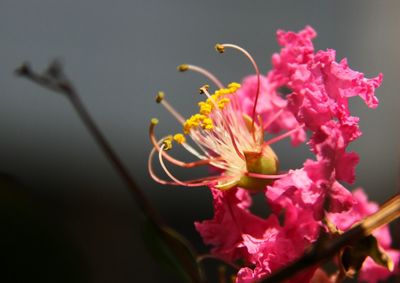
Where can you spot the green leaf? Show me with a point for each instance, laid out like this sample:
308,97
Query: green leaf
172,251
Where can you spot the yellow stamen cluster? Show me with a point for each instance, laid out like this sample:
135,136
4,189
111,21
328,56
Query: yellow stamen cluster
197,120
202,119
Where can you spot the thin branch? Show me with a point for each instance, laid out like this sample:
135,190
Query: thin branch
54,79
324,249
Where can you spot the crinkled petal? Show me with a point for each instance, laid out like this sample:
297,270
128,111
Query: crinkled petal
231,219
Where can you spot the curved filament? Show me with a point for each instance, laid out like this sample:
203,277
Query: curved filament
202,71
172,159
190,183
276,116
285,135
220,48
160,158
172,110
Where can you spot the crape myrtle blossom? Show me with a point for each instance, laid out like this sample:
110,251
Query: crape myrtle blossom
224,137
228,134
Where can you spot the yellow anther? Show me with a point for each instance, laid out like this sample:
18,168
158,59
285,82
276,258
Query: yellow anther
207,124
234,85
179,138
222,102
205,109
207,121
186,128
203,104
154,121
160,96
220,48
204,89
199,117
167,143
183,67
225,91
192,122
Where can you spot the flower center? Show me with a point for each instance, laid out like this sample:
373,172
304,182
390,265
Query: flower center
264,163
224,137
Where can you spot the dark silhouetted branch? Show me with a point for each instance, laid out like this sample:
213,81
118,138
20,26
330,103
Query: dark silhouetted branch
54,79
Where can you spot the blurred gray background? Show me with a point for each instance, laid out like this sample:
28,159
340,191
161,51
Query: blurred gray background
119,54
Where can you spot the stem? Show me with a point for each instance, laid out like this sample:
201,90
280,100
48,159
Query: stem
55,80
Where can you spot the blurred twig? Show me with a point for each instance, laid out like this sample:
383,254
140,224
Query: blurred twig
53,78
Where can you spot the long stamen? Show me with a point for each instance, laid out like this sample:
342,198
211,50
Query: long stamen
193,151
160,158
285,135
262,176
174,161
160,98
273,118
204,72
204,90
180,182
191,183
221,49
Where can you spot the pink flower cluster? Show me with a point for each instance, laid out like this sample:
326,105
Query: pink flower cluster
319,89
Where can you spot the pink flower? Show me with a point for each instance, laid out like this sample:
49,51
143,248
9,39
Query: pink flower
300,190
235,233
280,245
320,86
329,144
228,135
319,91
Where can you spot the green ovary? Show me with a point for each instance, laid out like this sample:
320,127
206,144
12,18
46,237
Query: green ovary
264,162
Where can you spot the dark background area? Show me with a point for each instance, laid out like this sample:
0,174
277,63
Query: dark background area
65,215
